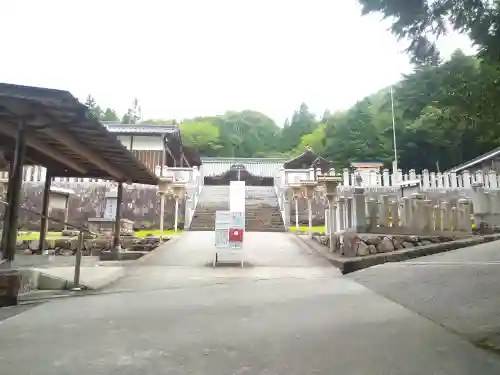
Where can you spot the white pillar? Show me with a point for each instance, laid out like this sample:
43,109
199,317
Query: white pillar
297,226
176,220
309,212
162,214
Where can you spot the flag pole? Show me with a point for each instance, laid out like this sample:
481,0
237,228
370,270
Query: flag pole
395,165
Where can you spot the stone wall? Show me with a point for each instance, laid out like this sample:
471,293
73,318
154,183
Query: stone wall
140,204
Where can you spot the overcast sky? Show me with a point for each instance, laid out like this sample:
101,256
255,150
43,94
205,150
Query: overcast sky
183,58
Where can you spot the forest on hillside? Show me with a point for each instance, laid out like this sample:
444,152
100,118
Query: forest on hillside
444,114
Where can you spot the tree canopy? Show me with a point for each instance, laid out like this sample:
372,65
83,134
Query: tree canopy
421,22
444,115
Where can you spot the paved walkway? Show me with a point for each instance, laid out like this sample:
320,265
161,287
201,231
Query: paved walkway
458,289
291,313
188,260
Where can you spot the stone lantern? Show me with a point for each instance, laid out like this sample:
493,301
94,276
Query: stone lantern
330,185
179,193
308,189
163,190
296,192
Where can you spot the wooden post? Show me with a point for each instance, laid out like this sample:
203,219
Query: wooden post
45,212
6,212
119,199
15,185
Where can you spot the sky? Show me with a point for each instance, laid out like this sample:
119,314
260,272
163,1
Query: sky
186,58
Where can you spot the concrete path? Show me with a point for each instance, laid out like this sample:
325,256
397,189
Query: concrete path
459,289
187,261
291,313
279,327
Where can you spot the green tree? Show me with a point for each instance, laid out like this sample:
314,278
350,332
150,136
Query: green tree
94,109
303,122
201,136
109,115
421,22
316,140
134,113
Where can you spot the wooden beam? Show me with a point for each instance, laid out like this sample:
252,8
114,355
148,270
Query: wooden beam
91,156
10,130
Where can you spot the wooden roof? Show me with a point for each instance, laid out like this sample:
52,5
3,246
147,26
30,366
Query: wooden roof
306,160
64,137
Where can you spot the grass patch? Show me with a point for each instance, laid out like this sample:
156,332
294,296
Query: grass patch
139,233
320,228
156,232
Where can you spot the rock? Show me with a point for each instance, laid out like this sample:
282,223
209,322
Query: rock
412,239
66,243
372,240
27,252
385,245
397,244
425,242
372,249
69,233
363,249
408,245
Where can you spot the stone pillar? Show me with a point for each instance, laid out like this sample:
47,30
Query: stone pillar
445,216
383,213
465,223
359,210
417,212
341,205
438,223
372,208
393,208
349,213
427,222
333,225
454,218
287,208
480,203
405,212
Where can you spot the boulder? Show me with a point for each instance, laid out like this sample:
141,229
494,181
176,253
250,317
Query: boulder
363,249
372,249
385,245
408,245
372,240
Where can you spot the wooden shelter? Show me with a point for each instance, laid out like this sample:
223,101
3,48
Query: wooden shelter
51,128
156,145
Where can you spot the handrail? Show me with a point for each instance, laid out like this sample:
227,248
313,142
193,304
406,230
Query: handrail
39,214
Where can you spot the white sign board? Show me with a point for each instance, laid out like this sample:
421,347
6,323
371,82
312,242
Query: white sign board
110,208
229,230
222,225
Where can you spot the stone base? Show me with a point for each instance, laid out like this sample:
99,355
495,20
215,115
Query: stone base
10,284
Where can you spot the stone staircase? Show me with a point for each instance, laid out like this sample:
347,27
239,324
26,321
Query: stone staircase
212,199
262,212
